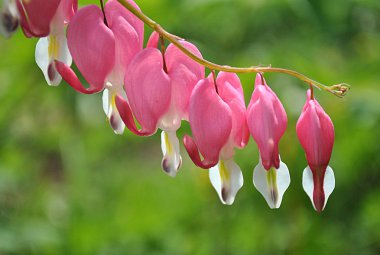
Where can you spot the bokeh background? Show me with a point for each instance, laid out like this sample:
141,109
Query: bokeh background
68,185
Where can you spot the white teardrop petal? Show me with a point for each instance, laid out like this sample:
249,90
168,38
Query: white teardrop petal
172,159
63,51
308,183
58,50
106,102
328,184
42,57
227,179
116,122
272,183
110,109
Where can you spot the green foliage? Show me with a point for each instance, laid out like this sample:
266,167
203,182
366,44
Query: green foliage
68,185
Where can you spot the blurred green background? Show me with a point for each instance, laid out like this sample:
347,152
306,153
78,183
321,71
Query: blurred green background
68,185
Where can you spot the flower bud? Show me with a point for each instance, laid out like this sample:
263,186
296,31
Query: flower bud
315,131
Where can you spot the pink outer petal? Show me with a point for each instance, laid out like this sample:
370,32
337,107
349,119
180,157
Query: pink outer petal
315,131
127,117
114,11
231,91
72,79
193,152
67,9
210,122
127,43
184,73
267,122
92,46
36,16
153,40
318,192
148,88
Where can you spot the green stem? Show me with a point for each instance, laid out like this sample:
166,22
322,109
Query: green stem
339,90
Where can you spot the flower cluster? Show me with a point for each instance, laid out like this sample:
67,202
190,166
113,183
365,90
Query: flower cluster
159,89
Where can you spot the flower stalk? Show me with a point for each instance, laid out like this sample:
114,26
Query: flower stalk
339,90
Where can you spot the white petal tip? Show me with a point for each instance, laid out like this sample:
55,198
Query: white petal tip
53,77
170,167
116,124
112,113
172,160
318,196
272,183
227,179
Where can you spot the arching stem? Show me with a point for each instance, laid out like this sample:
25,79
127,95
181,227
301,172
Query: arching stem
339,90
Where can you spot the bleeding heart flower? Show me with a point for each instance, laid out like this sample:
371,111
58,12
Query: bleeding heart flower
217,117
36,16
158,89
45,19
54,46
267,123
102,52
315,131
9,18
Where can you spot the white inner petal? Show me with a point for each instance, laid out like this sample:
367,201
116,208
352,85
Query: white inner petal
48,49
42,56
105,100
272,183
172,159
328,183
227,179
63,53
110,109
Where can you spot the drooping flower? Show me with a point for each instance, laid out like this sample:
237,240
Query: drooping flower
45,20
36,16
315,131
158,89
54,46
102,52
217,117
267,123
9,18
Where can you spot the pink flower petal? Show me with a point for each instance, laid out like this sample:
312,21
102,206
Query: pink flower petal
71,78
127,117
148,88
184,73
92,46
36,16
114,10
153,40
267,122
315,131
231,91
127,41
210,122
193,152
66,10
